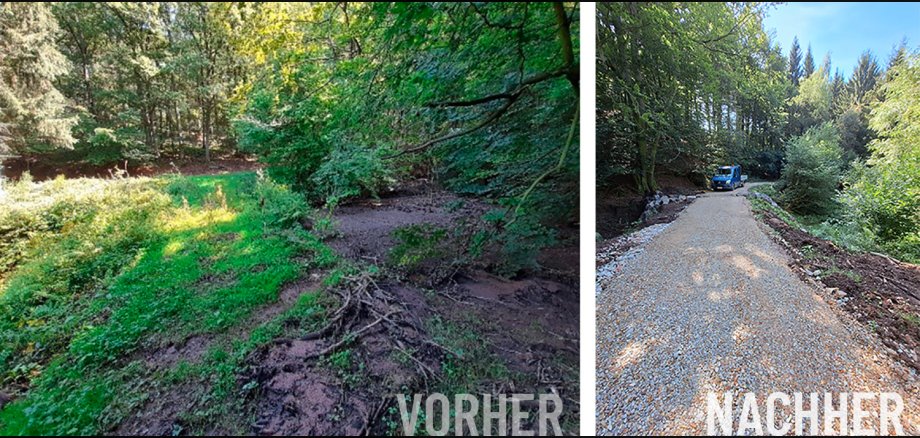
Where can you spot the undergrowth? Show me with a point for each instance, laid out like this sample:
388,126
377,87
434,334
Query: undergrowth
835,228
95,272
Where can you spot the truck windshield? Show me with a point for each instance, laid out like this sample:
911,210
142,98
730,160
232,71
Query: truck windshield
726,171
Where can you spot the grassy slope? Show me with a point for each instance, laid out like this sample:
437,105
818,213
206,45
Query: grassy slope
94,272
841,233
95,275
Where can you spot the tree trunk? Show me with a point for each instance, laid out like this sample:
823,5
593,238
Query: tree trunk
206,132
565,37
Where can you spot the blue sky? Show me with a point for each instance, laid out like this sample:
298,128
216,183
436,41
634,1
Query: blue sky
845,29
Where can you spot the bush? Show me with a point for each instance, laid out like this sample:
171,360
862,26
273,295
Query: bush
809,180
279,204
883,200
883,194
352,171
515,244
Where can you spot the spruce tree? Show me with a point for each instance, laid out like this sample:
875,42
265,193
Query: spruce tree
795,62
863,80
33,112
809,66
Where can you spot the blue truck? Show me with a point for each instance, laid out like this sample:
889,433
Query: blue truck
728,177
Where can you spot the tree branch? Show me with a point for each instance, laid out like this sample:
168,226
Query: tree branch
557,167
505,95
492,117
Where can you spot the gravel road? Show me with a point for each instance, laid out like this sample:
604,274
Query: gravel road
710,304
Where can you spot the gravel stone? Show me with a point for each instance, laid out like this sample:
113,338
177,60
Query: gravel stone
709,303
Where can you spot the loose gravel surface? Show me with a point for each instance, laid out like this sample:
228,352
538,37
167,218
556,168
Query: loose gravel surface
710,304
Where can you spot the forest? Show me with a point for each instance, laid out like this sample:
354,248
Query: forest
685,87
339,99
270,218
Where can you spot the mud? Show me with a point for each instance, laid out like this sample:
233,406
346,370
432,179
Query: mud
297,398
364,228
529,323
879,291
161,413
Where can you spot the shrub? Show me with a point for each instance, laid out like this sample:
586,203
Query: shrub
352,171
883,194
282,206
515,245
884,200
416,244
809,180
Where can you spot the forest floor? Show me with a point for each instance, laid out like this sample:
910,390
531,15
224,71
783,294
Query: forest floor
467,330
227,333
45,169
712,304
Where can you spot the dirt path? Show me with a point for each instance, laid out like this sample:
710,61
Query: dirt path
711,305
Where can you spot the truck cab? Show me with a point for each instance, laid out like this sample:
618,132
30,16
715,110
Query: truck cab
728,177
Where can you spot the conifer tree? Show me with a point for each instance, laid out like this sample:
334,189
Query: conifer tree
33,112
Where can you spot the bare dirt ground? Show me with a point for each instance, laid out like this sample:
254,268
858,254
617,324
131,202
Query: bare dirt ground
712,304
528,324
392,325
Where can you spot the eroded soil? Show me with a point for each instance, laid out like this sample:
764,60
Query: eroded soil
528,326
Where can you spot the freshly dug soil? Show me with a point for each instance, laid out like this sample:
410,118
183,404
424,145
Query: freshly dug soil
880,291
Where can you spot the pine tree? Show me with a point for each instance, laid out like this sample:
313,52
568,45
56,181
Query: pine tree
795,62
32,110
809,66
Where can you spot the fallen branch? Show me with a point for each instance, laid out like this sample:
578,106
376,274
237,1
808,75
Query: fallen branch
510,97
505,95
492,117
348,338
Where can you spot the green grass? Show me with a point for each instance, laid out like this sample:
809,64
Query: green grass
472,363
105,269
831,227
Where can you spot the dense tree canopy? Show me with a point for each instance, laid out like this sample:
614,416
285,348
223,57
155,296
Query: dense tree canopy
32,111
406,84
339,99
684,87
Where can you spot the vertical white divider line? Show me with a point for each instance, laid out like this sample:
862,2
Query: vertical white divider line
587,321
